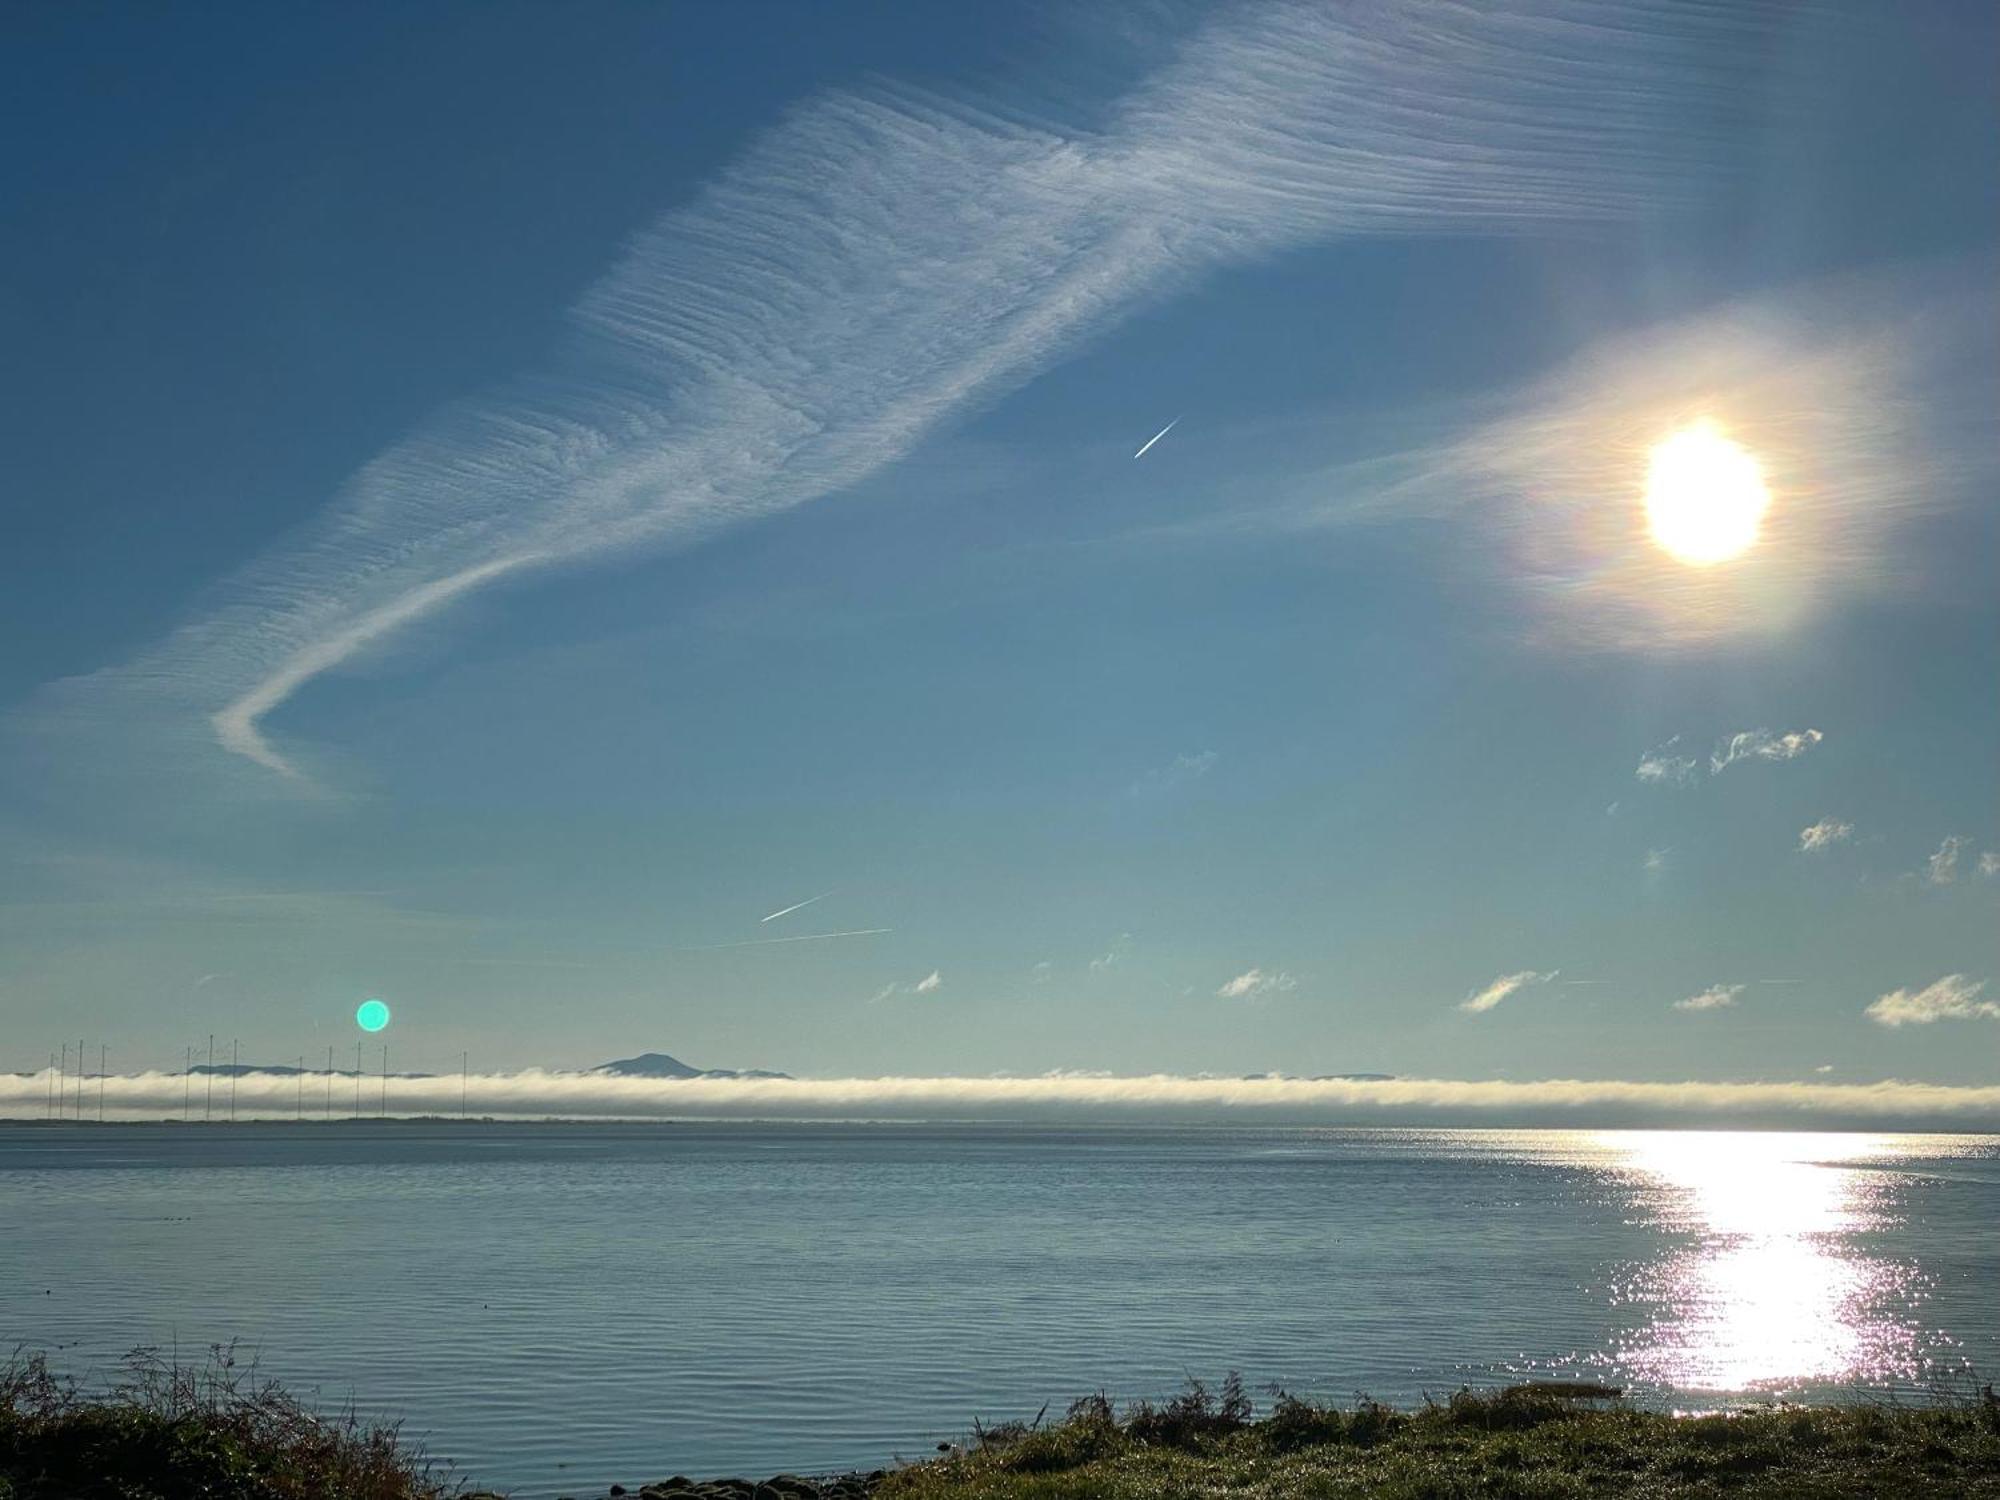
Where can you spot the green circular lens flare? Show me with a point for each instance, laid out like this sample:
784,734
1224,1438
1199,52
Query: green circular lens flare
371,1015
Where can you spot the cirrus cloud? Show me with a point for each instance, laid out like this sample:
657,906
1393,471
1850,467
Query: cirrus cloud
1253,984
1715,997
882,262
1952,998
930,984
1481,1001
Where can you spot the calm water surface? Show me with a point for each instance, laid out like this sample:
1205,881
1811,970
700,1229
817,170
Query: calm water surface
557,1307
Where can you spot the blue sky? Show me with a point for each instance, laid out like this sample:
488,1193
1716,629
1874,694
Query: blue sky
502,498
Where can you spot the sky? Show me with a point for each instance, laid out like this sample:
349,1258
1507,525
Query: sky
502,499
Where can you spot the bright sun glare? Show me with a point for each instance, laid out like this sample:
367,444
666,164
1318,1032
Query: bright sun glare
1705,495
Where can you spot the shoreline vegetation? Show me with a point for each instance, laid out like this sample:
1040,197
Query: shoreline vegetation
217,1432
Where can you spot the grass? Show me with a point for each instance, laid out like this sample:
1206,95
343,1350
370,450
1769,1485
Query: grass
1526,1441
171,1432
216,1432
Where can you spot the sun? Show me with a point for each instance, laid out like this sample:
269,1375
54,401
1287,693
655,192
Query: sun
1705,495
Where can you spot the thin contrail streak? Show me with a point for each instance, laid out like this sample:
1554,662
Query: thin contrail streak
1155,438
787,911
804,937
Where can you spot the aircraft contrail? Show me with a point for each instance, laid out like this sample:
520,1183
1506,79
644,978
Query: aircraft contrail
804,937
1156,437
787,911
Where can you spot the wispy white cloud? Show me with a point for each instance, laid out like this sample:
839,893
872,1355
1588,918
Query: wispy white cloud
878,263
1762,744
1715,997
930,984
1177,772
1656,860
1079,1096
1481,1001
1819,837
1952,998
1254,984
1989,863
1667,767
1942,867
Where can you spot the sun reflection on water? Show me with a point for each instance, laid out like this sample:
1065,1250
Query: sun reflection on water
1772,1286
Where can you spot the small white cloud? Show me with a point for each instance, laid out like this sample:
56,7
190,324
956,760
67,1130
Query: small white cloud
1040,973
930,984
1761,744
1178,772
1942,867
1824,1068
1952,998
1481,1001
1656,860
1254,983
1715,997
1989,864
1823,835
1666,766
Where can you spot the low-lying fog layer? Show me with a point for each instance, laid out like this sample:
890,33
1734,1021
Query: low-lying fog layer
1072,1097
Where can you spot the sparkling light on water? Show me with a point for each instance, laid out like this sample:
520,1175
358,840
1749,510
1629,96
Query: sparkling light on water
1771,1287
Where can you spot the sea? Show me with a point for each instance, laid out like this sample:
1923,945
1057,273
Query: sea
551,1308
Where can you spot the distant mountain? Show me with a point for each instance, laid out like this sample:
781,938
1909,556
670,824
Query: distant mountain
659,1065
1354,1078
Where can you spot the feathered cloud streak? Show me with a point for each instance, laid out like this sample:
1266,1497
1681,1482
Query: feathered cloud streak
876,263
1413,1101
1499,989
